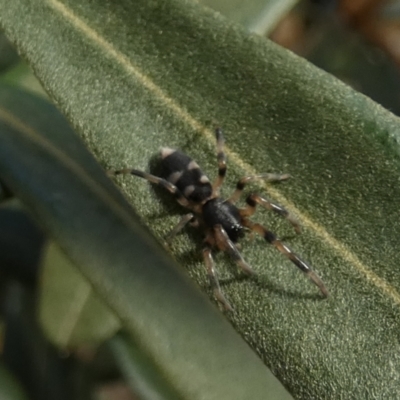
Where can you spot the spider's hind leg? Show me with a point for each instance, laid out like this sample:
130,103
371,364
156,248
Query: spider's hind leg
180,198
286,251
212,276
188,218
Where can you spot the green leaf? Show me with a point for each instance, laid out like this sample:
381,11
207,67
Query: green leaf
70,195
71,314
134,76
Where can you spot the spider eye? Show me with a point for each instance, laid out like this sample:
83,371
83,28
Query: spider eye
235,232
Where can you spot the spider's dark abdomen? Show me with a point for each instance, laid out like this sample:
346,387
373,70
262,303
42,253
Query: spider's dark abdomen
219,212
185,174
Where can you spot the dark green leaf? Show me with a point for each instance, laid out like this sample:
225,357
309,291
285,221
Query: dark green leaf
145,380
135,75
44,372
21,243
8,54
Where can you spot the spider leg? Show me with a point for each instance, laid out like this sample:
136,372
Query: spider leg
285,250
179,226
221,158
254,199
212,276
180,198
225,244
246,179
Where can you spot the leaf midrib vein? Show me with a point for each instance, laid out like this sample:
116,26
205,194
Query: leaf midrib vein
146,81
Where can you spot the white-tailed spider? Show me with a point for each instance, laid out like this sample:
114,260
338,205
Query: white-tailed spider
224,223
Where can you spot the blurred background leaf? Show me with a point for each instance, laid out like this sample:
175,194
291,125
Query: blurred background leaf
9,389
9,56
41,370
21,243
71,314
258,16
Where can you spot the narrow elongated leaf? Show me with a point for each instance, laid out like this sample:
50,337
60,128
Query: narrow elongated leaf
135,75
70,313
76,203
139,371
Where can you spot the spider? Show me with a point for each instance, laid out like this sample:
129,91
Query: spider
224,223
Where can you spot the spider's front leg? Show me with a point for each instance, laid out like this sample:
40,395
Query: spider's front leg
254,199
213,278
246,179
225,244
285,250
221,159
217,237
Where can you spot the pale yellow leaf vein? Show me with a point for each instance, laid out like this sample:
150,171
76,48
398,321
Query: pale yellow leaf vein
132,69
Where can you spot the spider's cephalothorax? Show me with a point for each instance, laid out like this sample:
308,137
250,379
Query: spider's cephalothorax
219,212
223,222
